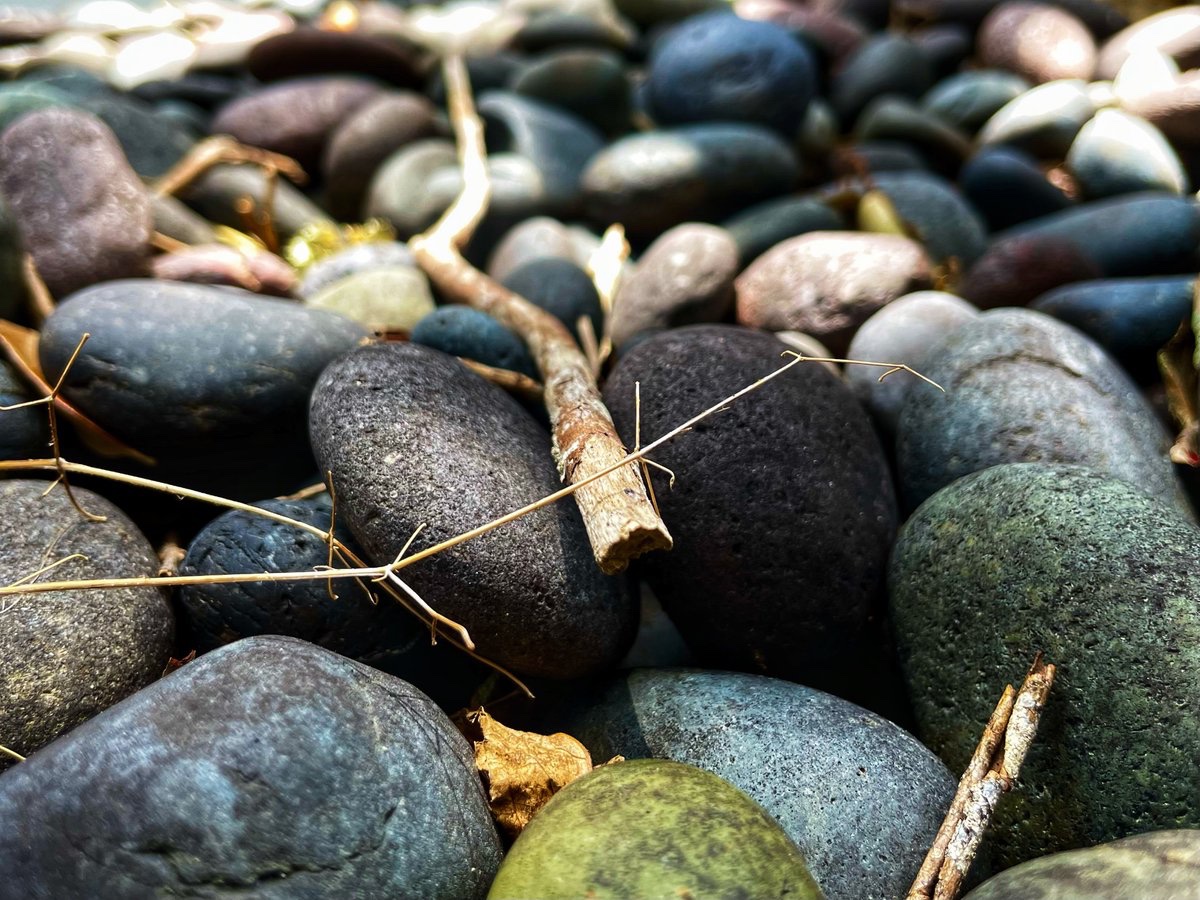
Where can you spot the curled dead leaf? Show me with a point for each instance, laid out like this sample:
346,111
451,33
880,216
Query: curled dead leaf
1177,365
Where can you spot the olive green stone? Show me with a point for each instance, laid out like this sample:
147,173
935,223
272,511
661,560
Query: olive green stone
394,298
1101,577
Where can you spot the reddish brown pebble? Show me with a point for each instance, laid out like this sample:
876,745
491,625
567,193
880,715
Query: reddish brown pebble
1017,270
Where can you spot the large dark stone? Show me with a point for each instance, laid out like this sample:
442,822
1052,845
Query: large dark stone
1008,187
1023,387
67,655
412,437
930,208
783,512
859,796
1031,557
318,51
82,211
589,82
269,767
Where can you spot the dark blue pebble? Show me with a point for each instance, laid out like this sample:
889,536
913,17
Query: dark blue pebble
24,433
944,222
885,64
1007,186
559,287
969,99
462,331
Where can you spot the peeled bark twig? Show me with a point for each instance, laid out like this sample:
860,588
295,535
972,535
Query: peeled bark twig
620,521
992,772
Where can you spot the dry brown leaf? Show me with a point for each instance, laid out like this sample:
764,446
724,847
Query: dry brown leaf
523,770
1176,364
20,345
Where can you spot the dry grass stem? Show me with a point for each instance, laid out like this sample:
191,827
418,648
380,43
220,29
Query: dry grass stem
620,521
992,772
513,382
11,754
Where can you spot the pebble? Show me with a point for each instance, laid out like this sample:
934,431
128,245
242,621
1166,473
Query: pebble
884,63
684,278
1023,387
399,191
1017,270
553,29
25,434
759,228
1174,32
217,193
258,271
947,46
906,330
19,98
859,796
656,12
151,141
719,67
827,283
1007,187
561,288
1037,41
1043,121
538,237
81,210
898,119
1116,153
1023,558
1159,864
967,100
870,157
266,760
653,181
591,83
66,656
294,117
931,208
467,332
315,51
177,220
383,419
384,299
782,512
1171,109
350,261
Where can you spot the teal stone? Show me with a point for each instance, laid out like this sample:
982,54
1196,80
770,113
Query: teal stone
1102,579
968,99
20,98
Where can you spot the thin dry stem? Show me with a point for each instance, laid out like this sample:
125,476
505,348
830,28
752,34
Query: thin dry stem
166,243
11,754
40,299
513,382
620,521
219,149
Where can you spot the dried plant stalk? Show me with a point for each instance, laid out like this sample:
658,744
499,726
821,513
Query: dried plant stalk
620,520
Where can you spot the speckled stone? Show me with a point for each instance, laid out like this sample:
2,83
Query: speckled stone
827,283
294,117
1008,187
82,212
1036,40
653,181
390,298
561,288
413,437
782,512
859,796
1043,120
1062,559
1116,153
1023,387
467,332
720,67
67,655
930,207
968,99
886,63
351,261
1160,864
1017,270
269,762
684,278
905,330
759,228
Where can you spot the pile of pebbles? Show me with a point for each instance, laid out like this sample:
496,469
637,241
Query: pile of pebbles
997,194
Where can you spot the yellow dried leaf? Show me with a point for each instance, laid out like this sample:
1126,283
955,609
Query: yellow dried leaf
523,770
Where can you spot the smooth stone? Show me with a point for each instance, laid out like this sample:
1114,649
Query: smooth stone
1064,560
206,90
269,766
13,289
782,514
905,330
213,379
467,332
886,63
759,228
899,119
387,299
412,437
177,220
361,143
1147,233
966,100
350,261
651,182
19,98
1172,109
216,193
1007,187
819,133
684,278
1036,41
308,51
827,283
1043,121
932,208
720,67
399,190
294,117
67,655
946,45
1160,864
557,143
829,33
1021,386
655,12
587,82
375,632
868,157
561,288
538,237
1174,32
259,271
24,433
491,71
1131,318
1144,72
860,797
81,210
1116,153
1017,270
151,141
555,30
